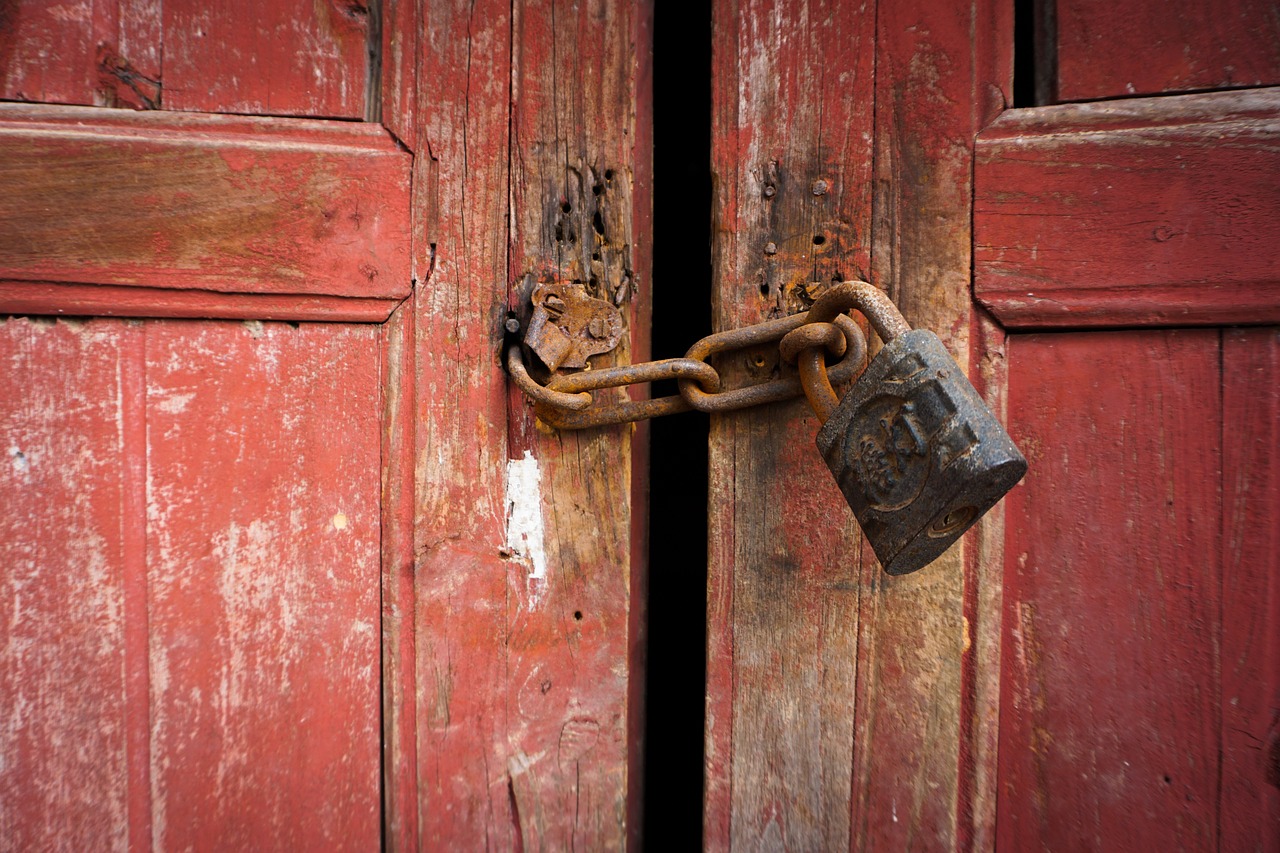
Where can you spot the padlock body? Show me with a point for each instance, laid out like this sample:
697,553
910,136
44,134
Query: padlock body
917,453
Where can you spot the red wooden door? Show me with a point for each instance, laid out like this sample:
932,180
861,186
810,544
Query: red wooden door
257,584
1096,665
1130,247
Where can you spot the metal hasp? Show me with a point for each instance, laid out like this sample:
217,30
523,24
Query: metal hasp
916,451
568,326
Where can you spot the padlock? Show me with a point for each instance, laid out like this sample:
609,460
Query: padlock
916,452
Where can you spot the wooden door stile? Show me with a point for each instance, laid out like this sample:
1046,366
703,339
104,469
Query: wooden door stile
525,652
941,75
791,160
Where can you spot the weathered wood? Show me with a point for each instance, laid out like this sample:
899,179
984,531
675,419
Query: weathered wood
294,57
262,550
791,160
200,203
1110,711
1144,47
460,204
524,597
1249,799
65,677
941,73
1141,212
399,657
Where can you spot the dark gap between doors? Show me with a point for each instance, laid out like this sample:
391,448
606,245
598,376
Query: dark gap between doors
676,672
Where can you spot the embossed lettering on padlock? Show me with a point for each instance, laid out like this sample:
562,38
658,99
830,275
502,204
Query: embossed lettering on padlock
915,450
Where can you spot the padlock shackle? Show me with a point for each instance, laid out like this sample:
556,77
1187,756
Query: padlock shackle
873,302
875,305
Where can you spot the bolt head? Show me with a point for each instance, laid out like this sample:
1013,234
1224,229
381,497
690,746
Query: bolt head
820,187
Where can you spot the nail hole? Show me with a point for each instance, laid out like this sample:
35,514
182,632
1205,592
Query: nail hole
818,239
598,222
764,290
577,614
608,174
597,189
1167,778
594,282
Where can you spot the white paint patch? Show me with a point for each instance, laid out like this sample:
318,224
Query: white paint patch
175,403
339,521
524,521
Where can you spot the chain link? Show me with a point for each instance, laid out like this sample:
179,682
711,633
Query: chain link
565,402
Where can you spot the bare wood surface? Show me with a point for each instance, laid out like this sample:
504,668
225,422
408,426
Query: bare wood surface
941,74
791,160
1146,47
777,765
201,203
1150,211
287,57
523,650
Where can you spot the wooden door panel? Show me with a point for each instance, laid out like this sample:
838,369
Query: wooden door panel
294,57
1150,211
203,215
1110,706
1106,49
192,576
263,457
66,585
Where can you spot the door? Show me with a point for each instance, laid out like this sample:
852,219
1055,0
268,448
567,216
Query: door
1127,245
259,577
1094,665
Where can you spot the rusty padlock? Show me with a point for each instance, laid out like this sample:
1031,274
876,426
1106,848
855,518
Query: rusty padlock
916,451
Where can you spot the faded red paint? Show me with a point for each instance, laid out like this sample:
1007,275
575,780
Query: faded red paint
201,203
1134,212
287,57
1144,47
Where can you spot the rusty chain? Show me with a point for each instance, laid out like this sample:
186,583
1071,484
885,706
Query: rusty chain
566,402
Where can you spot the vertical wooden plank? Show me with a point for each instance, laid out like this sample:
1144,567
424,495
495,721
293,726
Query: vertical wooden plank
399,657
300,57
983,605
460,203
64,720
263,540
1249,801
791,159
400,23
573,199
941,73
1110,717
523,649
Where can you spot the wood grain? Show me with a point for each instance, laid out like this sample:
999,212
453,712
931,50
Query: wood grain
523,657
1249,799
289,57
791,163
263,563
201,203
1110,709
1146,47
1141,212
941,74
